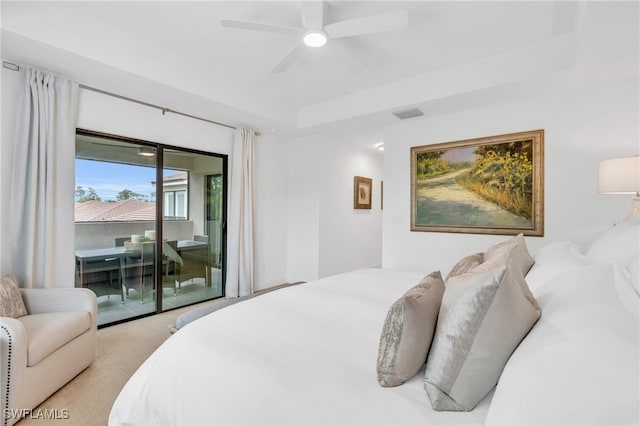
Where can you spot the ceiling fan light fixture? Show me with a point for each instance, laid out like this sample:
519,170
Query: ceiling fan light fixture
315,38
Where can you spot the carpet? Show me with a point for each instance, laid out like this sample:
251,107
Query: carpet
122,348
87,399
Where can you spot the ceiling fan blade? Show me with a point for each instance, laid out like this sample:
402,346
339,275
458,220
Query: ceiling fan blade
356,62
380,23
260,26
312,14
289,59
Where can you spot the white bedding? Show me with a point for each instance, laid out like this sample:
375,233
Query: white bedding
307,354
300,355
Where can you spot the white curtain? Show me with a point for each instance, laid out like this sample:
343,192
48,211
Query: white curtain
240,252
42,182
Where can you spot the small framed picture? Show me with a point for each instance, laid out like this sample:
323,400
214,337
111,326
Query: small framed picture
362,192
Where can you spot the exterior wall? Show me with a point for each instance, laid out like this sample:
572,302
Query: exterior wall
95,235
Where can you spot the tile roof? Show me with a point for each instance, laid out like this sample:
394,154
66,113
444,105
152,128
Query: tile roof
126,210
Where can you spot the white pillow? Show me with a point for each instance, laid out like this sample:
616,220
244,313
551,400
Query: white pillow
552,260
627,294
632,270
618,244
579,364
634,274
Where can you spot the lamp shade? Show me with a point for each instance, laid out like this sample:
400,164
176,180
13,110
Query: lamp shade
619,176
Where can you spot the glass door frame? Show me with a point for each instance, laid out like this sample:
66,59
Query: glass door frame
223,220
159,219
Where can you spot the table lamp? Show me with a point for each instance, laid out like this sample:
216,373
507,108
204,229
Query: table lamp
621,176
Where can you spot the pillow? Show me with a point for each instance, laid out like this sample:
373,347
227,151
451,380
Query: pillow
618,244
553,260
522,259
465,264
579,365
484,315
634,274
627,294
560,259
408,330
11,303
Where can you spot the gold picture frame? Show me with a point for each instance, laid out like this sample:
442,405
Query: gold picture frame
362,187
488,185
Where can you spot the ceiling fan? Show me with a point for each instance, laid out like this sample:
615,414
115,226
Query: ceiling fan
316,33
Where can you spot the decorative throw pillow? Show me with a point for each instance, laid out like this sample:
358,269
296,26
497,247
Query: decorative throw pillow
522,259
11,303
408,331
483,317
465,265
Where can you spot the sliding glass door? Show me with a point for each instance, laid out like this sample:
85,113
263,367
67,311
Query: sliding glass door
215,222
194,266
149,225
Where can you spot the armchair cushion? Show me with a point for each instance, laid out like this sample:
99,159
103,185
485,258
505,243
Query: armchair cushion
48,332
11,303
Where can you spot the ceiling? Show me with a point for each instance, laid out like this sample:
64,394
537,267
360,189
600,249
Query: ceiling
452,52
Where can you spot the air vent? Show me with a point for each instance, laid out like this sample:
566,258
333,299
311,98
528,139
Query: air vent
409,113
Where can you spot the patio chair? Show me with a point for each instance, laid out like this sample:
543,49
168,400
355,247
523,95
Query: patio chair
139,269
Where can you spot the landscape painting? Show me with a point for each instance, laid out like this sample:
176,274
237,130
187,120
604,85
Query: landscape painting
490,185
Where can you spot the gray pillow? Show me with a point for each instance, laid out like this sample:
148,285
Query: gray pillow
408,331
484,316
465,265
11,303
521,257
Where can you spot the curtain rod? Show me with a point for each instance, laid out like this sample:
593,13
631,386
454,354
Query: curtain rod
15,67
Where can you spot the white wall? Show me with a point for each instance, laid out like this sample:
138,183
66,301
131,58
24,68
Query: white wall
326,235
349,238
111,115
303,209
270,211
582,126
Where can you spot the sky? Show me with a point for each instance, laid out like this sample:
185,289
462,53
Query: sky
108,179
462,154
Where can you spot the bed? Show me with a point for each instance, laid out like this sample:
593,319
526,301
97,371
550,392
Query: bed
307,354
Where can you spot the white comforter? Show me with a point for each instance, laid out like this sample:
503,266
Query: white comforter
300,355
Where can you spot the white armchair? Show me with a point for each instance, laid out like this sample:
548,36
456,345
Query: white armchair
44,350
